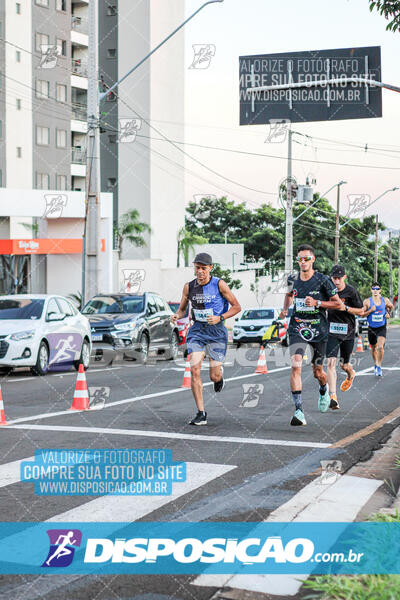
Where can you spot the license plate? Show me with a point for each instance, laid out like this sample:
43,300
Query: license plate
97,337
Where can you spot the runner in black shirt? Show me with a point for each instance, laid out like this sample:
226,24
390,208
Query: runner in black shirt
312,293
342,331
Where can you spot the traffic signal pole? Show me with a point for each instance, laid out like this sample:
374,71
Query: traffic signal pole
289,211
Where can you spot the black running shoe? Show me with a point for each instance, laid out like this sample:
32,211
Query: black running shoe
334,404
219,385
199,419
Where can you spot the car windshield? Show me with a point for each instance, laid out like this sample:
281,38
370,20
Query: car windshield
114,305
21,308
259,313
174,307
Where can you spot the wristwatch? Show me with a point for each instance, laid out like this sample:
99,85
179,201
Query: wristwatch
318,303
347,308
222,318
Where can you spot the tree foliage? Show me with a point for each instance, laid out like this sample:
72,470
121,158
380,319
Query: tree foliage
262,231
390,9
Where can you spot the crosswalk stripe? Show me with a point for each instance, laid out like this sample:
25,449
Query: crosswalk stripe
314,503
10,472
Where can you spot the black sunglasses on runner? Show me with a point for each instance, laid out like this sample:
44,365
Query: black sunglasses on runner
375,287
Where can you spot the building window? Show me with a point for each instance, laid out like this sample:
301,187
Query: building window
111,10
61,92
61,138
112,138
42,181
61,182
19,152
42,135
111,52
42,3
42,88
61,47
111,182
61,5
18,104
18,56
18,8
42,39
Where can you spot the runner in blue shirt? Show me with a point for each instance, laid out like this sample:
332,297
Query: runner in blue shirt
210,298
377,310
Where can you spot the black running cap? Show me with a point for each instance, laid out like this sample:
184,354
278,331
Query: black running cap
338,271
203,259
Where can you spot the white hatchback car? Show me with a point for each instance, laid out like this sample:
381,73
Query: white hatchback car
44,332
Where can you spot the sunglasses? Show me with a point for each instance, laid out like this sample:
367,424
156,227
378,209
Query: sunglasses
303,259
375,288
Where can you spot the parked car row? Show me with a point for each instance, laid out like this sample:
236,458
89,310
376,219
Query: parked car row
46,332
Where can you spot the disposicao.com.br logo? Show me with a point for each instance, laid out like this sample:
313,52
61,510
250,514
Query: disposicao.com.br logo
62,547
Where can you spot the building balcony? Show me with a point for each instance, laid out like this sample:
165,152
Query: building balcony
79,24
79,111
78,156
79,67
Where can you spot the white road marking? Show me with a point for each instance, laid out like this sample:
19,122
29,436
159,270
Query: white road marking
172,435
62,374
10,472
134,399
121,509
316,502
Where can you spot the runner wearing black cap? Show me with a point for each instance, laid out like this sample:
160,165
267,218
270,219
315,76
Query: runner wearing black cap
210,298
342,331
377,309
312,293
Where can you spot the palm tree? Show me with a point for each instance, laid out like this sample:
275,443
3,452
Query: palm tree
131,229
186,242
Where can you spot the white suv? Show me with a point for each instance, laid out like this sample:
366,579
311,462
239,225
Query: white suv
253,323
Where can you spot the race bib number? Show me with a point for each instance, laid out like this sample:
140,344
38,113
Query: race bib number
302,307
201,314
338,328
377,318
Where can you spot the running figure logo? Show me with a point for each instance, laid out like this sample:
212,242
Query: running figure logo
128,129
65,350
203,54
278,129
49,56
251,394
331,470
55,203
63,543
358,203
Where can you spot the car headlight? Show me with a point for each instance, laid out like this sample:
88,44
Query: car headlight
126,326
22,335
236,329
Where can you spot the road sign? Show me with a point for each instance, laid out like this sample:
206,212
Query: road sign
333,101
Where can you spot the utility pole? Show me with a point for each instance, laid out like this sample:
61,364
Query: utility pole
398,282
390,268
289,211
91,237
91,267
376,250
337,230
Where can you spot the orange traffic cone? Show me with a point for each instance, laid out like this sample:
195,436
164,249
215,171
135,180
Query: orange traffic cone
81,394
2,413
262,362
359,344
187,376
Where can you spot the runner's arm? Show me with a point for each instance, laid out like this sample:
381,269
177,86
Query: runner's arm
180,313
366,308
233,301
286,303
334,303
389,305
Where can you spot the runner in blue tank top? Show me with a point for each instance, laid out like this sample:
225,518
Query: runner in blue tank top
377,310
210,298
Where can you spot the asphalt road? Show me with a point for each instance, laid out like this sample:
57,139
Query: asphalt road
244,464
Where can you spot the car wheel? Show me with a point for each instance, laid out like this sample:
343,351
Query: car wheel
144,348
42,361
173,347
84,357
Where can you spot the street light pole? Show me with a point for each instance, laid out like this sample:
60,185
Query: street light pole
376,250
91,241
337,230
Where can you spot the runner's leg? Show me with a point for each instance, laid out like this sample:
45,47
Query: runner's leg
380,350
331,374
196,360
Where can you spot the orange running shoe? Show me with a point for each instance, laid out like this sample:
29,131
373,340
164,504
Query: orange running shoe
347,383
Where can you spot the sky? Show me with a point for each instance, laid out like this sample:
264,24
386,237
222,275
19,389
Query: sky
246,27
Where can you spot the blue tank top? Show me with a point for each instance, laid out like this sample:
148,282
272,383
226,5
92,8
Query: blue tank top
206,299
377,318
